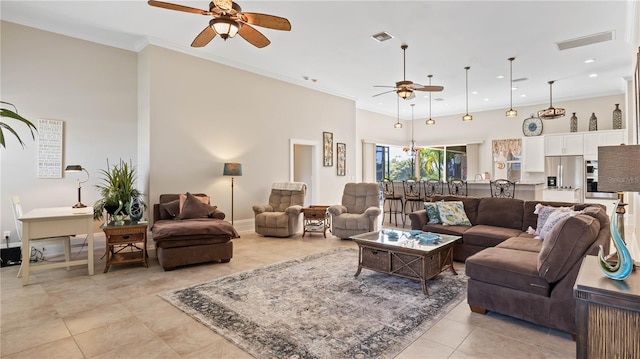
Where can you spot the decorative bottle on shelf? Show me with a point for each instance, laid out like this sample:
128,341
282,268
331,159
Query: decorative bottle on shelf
573,124
593,122
617,118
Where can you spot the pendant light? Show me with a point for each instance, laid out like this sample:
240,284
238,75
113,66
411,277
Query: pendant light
412,147
511,112
467,117
398,124
552,112
430,121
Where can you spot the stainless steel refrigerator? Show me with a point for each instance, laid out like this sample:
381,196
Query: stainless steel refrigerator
569,170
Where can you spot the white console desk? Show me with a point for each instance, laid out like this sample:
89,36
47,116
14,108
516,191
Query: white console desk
53,222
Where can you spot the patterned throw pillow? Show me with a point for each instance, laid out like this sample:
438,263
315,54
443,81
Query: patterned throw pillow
553,219
544,212
452,213
432,213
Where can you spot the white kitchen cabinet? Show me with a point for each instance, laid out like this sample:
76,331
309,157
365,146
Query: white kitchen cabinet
562,195
593,140
533,154
564,145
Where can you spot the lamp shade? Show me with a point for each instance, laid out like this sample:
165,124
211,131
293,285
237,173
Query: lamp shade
619,168
73,168
232,169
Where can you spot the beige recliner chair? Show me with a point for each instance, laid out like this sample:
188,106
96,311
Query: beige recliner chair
281,217
359,210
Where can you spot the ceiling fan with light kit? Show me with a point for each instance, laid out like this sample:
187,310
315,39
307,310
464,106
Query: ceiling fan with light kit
405,88
229,20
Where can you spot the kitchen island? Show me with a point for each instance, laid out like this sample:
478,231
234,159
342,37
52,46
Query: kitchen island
525,190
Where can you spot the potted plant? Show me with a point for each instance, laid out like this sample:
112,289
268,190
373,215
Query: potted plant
117,190
6,112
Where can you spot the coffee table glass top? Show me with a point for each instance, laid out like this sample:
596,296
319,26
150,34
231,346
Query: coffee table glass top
425,241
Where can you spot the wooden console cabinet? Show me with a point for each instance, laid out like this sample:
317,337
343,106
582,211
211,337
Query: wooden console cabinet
607,313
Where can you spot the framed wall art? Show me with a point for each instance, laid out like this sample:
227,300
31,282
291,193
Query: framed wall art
50,148
341,159
327,141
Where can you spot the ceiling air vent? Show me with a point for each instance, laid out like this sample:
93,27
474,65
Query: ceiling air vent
586,40
382,36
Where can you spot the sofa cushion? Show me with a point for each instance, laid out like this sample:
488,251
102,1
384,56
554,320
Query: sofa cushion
554,218
452,213
488,236
509,268
530,219
439,228
170,210
501,212
544,212
433,216
470,204
201,197
194,207
567,243
522,243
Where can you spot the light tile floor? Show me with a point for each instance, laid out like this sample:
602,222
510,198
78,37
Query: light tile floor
68,314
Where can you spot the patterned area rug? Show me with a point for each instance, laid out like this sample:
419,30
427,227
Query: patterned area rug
314,307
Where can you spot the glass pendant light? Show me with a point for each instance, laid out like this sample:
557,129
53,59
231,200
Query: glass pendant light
511,112
398,124
430,121
467,117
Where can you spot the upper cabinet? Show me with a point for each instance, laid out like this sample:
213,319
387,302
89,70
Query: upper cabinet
533,151
563,145
601,138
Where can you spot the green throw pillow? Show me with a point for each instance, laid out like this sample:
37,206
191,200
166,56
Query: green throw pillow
452,213
432,213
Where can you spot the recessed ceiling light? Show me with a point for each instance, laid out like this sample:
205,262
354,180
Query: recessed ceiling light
589,61
514,88
523,95
426,96
486,99
474,93
593,75
500,76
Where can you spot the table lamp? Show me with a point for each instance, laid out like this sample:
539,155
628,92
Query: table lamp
619,171
232,169
78,168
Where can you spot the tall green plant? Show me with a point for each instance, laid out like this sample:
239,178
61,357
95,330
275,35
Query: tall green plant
117,188
6,112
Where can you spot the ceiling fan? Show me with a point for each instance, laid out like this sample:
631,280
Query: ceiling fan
229,20
405,88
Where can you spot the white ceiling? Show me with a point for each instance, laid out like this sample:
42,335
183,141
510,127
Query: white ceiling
330,41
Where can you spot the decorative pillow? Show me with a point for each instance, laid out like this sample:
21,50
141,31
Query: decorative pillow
553,219
432,213
170,210
193,207
183,197
452,213
544,212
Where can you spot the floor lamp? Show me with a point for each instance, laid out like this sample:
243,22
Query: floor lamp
78,168
233,170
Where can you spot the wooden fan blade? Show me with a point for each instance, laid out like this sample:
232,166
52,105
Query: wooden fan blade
430,88
382,93
253,36
204,37
391,87
166,5
268,21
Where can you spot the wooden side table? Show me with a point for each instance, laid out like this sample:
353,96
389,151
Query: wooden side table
121,243
316,219
607,313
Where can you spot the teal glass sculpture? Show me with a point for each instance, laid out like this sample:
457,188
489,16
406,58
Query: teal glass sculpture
623,267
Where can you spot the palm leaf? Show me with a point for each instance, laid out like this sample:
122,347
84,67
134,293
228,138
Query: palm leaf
5,112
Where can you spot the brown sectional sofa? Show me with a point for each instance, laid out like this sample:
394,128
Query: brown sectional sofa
512,273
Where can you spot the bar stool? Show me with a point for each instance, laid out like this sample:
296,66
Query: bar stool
457,187
432,188
413,197
502,188
391,201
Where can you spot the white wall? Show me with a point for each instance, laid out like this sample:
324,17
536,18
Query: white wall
91,87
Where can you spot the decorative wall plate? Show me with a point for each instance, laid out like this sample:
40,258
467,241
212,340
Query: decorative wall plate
532,126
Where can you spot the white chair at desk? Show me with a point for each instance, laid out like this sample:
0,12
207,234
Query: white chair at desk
56,222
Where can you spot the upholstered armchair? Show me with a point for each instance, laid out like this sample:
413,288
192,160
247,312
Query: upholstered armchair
359,210
281,217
